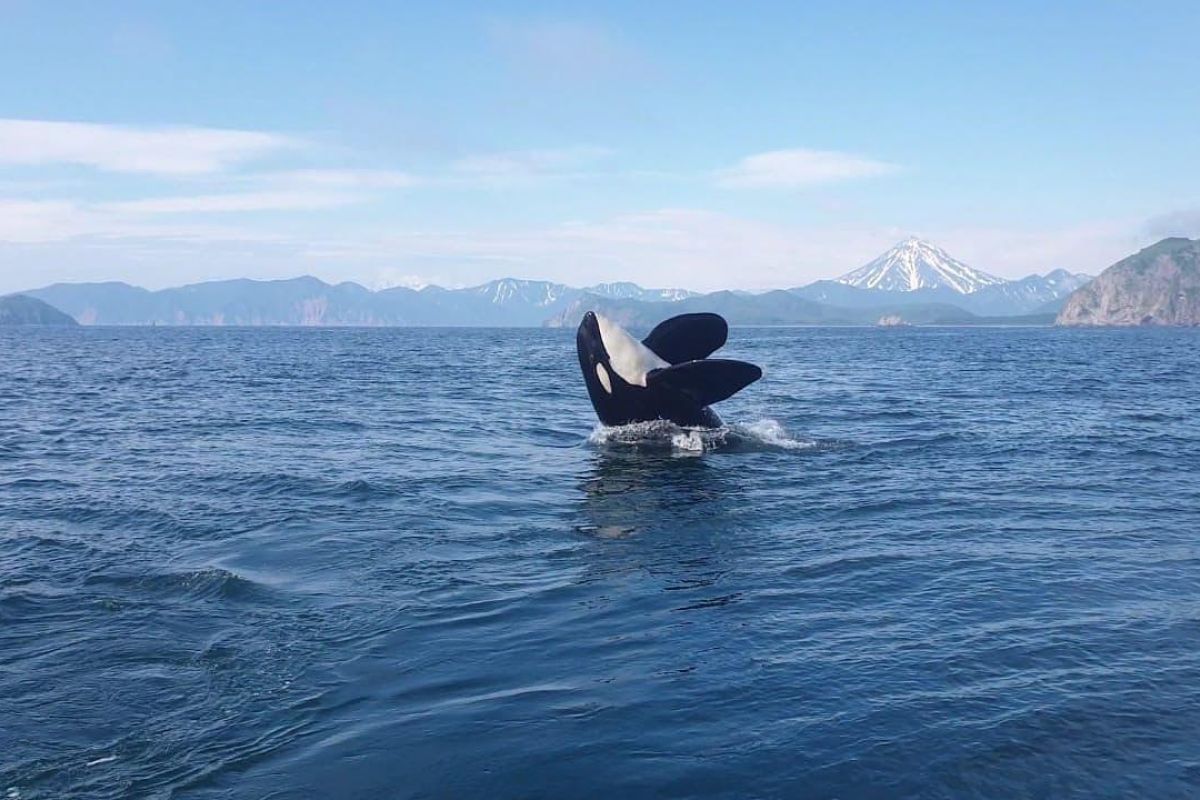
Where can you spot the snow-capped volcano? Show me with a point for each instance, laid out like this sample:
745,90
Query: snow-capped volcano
914,264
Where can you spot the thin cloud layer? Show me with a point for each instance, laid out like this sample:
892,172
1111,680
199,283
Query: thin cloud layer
119,148
557,50
344,178
800,168
528,165
235,202
678,247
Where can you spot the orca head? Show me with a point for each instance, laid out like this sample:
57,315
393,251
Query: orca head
594,361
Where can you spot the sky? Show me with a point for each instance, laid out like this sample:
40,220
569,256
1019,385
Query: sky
686,144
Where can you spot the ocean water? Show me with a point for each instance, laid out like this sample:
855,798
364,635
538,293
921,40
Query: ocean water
407,564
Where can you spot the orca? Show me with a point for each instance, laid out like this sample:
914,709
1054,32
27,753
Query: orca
668,375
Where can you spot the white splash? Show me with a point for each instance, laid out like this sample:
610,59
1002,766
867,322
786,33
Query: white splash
761,435
690,441
771,433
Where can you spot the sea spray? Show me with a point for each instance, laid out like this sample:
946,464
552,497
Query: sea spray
760,435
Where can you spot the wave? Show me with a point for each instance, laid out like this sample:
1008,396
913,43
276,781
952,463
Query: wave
761,435
196,584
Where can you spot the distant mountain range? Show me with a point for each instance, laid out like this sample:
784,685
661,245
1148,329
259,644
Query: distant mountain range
1036,294
309,301
915,281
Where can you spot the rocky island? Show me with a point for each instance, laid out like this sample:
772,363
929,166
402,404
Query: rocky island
18,309
1159,285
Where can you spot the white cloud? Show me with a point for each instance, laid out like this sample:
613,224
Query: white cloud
800,168
51,222
28,218
234,202
294,190
342,178
40,220
119,148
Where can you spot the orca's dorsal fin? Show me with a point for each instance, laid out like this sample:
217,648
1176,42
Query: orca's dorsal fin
707,381
687,337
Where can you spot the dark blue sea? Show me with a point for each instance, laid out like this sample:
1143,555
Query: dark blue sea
273,563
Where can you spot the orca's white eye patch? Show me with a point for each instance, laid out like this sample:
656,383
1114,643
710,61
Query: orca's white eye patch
602,374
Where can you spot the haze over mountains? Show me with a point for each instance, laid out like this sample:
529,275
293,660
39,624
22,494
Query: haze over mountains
915,280
310,301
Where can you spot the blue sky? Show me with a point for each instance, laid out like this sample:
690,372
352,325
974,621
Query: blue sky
703,145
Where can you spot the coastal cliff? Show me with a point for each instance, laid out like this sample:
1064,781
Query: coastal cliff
18,309
1159,285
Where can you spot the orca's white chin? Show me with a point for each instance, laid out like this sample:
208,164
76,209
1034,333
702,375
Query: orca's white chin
628,357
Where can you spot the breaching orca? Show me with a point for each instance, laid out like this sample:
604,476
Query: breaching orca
667,376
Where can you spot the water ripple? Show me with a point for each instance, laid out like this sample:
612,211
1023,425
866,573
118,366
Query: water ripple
407,563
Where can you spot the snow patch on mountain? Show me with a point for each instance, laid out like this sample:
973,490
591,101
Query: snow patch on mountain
626,290
509,291
512,290
915,264
1044,288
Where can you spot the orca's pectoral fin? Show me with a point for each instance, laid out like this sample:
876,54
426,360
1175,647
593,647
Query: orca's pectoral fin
705,381
687,337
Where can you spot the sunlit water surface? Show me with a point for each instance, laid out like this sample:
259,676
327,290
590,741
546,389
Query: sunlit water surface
406,563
